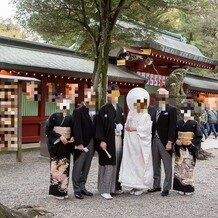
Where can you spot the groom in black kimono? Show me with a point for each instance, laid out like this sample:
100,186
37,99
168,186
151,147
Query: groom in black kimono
164,120
109,133
83,130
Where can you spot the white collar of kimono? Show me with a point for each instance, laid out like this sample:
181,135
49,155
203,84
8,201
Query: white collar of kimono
115,106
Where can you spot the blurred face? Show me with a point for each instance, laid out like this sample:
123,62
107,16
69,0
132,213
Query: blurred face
140,106
113,96
186,114
90,97
187,111
64,104
162,96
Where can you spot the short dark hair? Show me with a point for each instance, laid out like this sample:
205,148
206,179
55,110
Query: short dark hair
187,104
112,87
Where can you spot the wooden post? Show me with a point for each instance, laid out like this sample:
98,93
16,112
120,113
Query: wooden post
19,129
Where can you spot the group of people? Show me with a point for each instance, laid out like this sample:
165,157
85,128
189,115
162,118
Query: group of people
209,122
129,150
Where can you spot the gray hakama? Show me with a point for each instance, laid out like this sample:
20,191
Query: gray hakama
108,174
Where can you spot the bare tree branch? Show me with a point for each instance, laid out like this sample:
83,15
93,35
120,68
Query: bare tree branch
116,14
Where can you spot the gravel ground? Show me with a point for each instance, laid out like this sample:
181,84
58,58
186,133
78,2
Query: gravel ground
26,184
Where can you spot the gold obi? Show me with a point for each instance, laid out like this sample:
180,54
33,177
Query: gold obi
184,137
64,131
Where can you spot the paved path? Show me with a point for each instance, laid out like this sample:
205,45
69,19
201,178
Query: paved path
210,143
27,183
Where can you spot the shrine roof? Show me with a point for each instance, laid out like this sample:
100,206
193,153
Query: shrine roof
165,41
30,56
18,78
201,83
173,46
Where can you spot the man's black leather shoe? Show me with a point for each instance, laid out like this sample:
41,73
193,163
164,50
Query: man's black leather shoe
87,193
154,190
78,196
165,193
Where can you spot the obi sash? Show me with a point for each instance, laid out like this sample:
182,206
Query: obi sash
64,131
184,137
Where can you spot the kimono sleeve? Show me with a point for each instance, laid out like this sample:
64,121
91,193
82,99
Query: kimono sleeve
100,126
77,128
144,128
52,136
196,142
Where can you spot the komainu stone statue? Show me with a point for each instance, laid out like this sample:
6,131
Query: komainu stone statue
174,84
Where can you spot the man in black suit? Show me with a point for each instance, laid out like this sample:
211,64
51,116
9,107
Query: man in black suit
164,120
83,131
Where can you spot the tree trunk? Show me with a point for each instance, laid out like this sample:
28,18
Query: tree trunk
102,48
100,74
6,212
107,20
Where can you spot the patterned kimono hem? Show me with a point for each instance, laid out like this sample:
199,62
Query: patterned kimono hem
178,186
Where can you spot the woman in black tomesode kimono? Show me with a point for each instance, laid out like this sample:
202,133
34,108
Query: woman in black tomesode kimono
186,147
59,134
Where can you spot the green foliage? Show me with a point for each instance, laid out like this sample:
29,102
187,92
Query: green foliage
9,28
199,27
64,22
90,25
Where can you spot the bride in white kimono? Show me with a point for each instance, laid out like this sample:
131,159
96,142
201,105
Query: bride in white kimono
136,170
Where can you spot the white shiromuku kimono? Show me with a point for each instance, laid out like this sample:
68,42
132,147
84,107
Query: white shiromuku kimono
136,167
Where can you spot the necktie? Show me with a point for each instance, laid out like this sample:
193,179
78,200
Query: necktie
157,114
